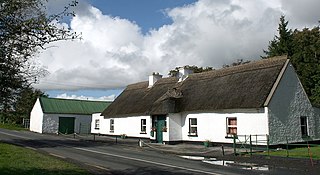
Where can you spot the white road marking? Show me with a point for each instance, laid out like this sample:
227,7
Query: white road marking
34,149
147,161
13,135
56,155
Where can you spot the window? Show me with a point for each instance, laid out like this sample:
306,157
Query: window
304,126
232,126
111,125
97,124
143,126
193,127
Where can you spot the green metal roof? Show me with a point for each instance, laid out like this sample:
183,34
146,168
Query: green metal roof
70,106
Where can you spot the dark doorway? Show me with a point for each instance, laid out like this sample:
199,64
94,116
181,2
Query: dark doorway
66,125
159,122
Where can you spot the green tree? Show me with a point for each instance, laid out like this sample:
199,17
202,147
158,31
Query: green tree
306,60
282,44
236,63
303,48
25,29
25,102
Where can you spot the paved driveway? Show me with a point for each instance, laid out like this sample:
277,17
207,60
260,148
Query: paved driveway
111,158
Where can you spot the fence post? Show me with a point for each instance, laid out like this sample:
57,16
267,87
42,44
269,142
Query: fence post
234,145
116,139
287,147
80,128
268,144
94,137
222,150
250,145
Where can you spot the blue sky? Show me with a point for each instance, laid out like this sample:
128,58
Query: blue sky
124,41
147,14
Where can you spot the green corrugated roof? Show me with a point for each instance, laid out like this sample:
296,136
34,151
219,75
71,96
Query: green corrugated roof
68,106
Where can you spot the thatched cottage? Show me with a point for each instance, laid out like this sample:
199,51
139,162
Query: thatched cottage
54,115
263,98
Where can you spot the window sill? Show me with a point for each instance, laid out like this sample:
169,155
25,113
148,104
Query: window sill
111,131
143,132
97,128
231,136
193,135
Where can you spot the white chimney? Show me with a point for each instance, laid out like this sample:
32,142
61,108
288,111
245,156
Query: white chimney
183,73
154,78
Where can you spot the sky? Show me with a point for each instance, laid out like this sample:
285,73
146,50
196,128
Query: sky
125,41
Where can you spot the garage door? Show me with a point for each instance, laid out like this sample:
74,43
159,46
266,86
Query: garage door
66,125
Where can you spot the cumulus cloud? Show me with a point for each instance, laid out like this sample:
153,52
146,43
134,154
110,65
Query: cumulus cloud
114,52
81,97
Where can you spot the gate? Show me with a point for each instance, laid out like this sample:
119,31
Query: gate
84,128
243,144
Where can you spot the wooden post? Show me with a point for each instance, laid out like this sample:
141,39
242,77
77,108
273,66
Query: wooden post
268,144
222,150
287,147
234,145
250,145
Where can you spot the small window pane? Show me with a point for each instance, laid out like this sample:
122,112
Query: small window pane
193,126
304,126
143,125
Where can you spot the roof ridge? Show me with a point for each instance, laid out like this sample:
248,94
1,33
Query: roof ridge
65,99
254,65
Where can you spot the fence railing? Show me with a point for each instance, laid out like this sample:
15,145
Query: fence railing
259,144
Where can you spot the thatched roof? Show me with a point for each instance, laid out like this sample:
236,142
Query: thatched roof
243,86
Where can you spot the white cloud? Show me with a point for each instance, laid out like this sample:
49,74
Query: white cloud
114,52
81,97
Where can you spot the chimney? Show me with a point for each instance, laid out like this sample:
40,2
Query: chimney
154,78
184,73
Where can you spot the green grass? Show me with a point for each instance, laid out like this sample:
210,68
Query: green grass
12,127
298,152
17,160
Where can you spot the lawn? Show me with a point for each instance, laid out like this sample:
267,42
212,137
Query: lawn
298,152
12,127
17,160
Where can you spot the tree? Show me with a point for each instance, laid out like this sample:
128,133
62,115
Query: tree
25,103
306,60
236,63
282,44
195,69
303,48
25,29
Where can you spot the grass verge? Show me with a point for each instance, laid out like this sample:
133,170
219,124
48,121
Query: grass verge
17,160
12,127
297,152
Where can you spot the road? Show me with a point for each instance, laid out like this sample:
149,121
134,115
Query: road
110,158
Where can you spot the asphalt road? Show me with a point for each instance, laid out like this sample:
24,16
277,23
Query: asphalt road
110,158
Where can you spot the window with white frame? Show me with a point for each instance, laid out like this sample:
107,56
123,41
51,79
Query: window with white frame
193,127
231,126
304,126
111,125
143,126
97,124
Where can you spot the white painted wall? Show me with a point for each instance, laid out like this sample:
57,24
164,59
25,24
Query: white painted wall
174,127
131,126
317,122
213,126
288,103
36,117
94,117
